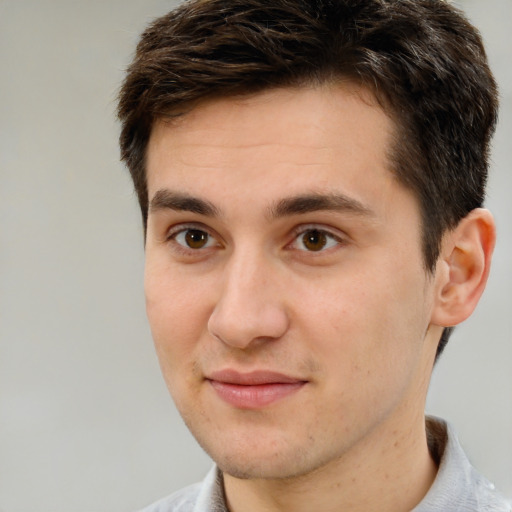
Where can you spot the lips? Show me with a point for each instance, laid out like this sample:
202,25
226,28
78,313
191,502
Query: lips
253,390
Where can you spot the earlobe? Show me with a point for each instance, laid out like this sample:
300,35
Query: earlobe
463,267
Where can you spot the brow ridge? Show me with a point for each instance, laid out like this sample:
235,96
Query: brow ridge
308,203
179,201
288,206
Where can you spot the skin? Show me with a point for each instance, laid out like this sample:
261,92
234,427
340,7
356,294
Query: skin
355,322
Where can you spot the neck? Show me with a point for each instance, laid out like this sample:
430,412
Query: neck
395,476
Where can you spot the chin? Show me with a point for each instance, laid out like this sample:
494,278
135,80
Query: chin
273,460
255,469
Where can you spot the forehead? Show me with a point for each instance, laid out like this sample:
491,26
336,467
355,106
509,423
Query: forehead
245,154
299,102
334,125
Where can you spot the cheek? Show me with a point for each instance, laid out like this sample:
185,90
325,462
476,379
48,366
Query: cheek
175,339
177,317
367,354
367,324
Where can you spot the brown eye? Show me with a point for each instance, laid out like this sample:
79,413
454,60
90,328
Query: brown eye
195,238
314,240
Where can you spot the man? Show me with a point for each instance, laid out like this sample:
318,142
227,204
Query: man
311,177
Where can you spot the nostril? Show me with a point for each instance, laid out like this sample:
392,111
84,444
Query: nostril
242,328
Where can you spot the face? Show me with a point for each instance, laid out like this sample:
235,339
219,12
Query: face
284,279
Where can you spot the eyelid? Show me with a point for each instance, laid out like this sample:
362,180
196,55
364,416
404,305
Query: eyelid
339,236
174,231
183,226
334,232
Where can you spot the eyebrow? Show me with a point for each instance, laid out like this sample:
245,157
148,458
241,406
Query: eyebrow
288,206
319,202
167,199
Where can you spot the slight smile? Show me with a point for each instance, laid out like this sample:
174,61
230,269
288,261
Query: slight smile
253,390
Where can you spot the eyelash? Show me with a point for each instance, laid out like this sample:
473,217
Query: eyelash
332,240
173,234
301,231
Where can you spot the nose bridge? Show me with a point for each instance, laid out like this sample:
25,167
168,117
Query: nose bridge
249,305
248,270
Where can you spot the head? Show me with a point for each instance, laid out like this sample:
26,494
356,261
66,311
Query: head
422,60
310,176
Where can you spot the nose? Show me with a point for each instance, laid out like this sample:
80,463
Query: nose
251,304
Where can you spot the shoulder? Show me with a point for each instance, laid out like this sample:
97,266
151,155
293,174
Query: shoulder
183,500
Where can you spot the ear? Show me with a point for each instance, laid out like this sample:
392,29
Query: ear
463,267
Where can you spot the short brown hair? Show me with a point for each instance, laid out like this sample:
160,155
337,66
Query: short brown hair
422,59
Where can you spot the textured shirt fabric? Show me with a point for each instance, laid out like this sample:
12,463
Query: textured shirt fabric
458,487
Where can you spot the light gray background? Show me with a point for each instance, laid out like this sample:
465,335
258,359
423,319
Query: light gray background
85,420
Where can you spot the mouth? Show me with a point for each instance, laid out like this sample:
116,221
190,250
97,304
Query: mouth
253,390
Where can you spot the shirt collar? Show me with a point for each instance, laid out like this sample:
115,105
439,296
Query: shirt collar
458,487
